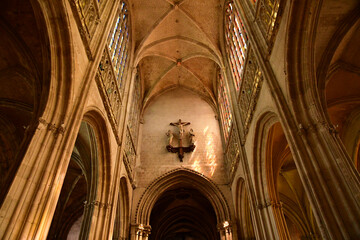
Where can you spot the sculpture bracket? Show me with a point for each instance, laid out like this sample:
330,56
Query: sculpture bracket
180,149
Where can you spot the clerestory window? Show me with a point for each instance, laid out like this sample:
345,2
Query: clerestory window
224,107
236,43
118,43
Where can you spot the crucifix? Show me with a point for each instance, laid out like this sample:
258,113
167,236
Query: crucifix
180,149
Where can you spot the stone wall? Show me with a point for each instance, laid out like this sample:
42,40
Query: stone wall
155,160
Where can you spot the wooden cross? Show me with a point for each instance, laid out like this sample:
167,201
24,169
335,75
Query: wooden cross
181,149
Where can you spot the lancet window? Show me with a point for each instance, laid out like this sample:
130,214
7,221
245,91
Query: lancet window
236,42
118,44
224,107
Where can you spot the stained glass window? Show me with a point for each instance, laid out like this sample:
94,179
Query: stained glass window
224,107
236,42
118,43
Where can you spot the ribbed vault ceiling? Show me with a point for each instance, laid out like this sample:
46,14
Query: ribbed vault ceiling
177,45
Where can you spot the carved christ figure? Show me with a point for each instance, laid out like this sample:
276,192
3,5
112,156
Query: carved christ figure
180,125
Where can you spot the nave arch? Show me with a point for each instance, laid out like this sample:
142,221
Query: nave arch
49,120
85,191
181,179
281,198
24,66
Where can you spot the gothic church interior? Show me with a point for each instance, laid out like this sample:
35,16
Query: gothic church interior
180,119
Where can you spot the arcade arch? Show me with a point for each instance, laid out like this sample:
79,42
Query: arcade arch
181,183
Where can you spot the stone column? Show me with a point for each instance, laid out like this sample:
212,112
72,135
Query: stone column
330,180
31,201
97,213
140,232
280,220
225,231
268,220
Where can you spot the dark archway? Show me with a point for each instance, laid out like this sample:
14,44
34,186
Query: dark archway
183,213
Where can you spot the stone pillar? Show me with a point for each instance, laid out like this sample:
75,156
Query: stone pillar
140,232
330,179
225,231
280,220
268,219
96,213
31,201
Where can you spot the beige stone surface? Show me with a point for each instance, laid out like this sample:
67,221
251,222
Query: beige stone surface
155,160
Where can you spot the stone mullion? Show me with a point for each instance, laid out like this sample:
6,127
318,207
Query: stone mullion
232,46
125,71
120,64
236,60
110,40
114,40
119,49
237,46
120,54
235,69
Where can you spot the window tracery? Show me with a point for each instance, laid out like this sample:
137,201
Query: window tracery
113,67
118,44
236,42
246,72
224,107
87,17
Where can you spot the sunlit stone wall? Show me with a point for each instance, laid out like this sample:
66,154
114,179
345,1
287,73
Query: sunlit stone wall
155,160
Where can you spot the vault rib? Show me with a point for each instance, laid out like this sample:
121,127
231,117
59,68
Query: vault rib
215,49
182,38
156,24
199,80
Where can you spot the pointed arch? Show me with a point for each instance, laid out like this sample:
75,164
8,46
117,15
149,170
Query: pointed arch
261,188
176,177
243,212
101,170
96,119
122,219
